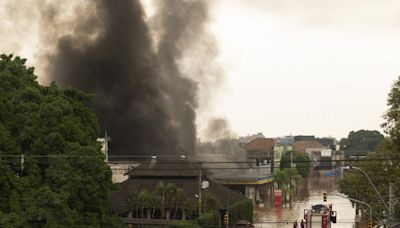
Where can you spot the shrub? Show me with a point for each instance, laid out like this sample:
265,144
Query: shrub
208,219
242,210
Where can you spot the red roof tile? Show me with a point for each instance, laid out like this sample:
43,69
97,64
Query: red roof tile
301,146
260,144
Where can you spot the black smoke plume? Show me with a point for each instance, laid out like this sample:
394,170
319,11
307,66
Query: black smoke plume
143,100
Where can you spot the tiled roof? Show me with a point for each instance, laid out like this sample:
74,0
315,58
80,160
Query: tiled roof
260,144
301,146
119,202
168,168
119,199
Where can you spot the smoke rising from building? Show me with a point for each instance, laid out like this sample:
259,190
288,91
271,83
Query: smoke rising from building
218,128
149,75
142,97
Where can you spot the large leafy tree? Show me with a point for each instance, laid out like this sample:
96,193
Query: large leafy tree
63,180
302,162
361,142
382,167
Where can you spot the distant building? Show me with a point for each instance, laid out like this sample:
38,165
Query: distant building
279,151
328,142
286,140
188,176
256,181
302,146
304,138
261,150
248,138
311,148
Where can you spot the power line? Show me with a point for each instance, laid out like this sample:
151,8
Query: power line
189,161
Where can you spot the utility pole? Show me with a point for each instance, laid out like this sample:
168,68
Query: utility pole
290,181
391,206
200,176
106,145
227,213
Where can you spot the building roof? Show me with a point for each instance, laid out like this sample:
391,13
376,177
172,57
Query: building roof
170,168
119,202
301,146
304,138
131,187
260,144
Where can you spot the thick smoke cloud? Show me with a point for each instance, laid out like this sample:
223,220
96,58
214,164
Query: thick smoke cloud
218,128
151,76
121,68
142,97
187,49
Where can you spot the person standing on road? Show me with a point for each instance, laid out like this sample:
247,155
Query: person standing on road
302,224
295,225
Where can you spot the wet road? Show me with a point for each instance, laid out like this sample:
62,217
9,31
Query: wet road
310,193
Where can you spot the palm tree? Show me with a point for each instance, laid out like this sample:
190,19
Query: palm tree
170,198
178,201
161,190
280,178
292,175
146,200
284,180
165,192
154,202
137,204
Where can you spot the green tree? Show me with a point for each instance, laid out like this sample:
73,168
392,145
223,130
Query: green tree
166,192
361,142
300,160
382,167
288,180
209,202
280,178
241,210
178,202
52,128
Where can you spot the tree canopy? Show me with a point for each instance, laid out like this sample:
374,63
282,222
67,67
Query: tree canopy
361,142
301,160
63,180
381,167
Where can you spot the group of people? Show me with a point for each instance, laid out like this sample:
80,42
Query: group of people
302,224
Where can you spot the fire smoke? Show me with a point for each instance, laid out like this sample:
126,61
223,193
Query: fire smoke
142,97
149,75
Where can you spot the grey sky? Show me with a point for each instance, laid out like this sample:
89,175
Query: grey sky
307,67
292,66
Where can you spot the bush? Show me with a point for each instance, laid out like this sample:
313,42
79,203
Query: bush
242,210
208,219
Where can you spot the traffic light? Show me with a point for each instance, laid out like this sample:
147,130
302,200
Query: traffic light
325,197
369,223
226,218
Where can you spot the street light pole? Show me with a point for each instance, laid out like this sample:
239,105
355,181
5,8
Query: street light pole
377,192
372,184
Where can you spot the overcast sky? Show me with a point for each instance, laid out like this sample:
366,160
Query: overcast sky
307,67
318,67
